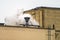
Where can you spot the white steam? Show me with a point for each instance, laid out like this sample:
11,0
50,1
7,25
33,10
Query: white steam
31,20
19,19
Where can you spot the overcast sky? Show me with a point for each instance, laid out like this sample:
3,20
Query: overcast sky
9,7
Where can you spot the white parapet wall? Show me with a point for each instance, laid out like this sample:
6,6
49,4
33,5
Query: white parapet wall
11,33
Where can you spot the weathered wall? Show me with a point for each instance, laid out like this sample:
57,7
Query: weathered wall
11,33
57,36
52,16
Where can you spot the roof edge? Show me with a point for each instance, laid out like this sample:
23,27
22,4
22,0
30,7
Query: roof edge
43,7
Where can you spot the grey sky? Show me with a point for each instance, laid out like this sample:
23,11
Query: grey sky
9,7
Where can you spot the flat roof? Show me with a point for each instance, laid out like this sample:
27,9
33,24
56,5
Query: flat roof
42,7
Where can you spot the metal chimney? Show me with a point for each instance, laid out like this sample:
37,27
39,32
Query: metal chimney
27,20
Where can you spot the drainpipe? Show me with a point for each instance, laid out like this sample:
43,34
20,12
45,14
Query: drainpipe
42,18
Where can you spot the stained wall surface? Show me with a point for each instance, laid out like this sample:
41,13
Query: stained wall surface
11,33
52,17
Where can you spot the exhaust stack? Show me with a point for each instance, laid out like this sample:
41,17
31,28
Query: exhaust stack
27,20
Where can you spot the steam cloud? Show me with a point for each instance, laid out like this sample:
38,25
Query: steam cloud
18,19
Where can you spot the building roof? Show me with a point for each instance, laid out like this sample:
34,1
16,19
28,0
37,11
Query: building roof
47,7
42,7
